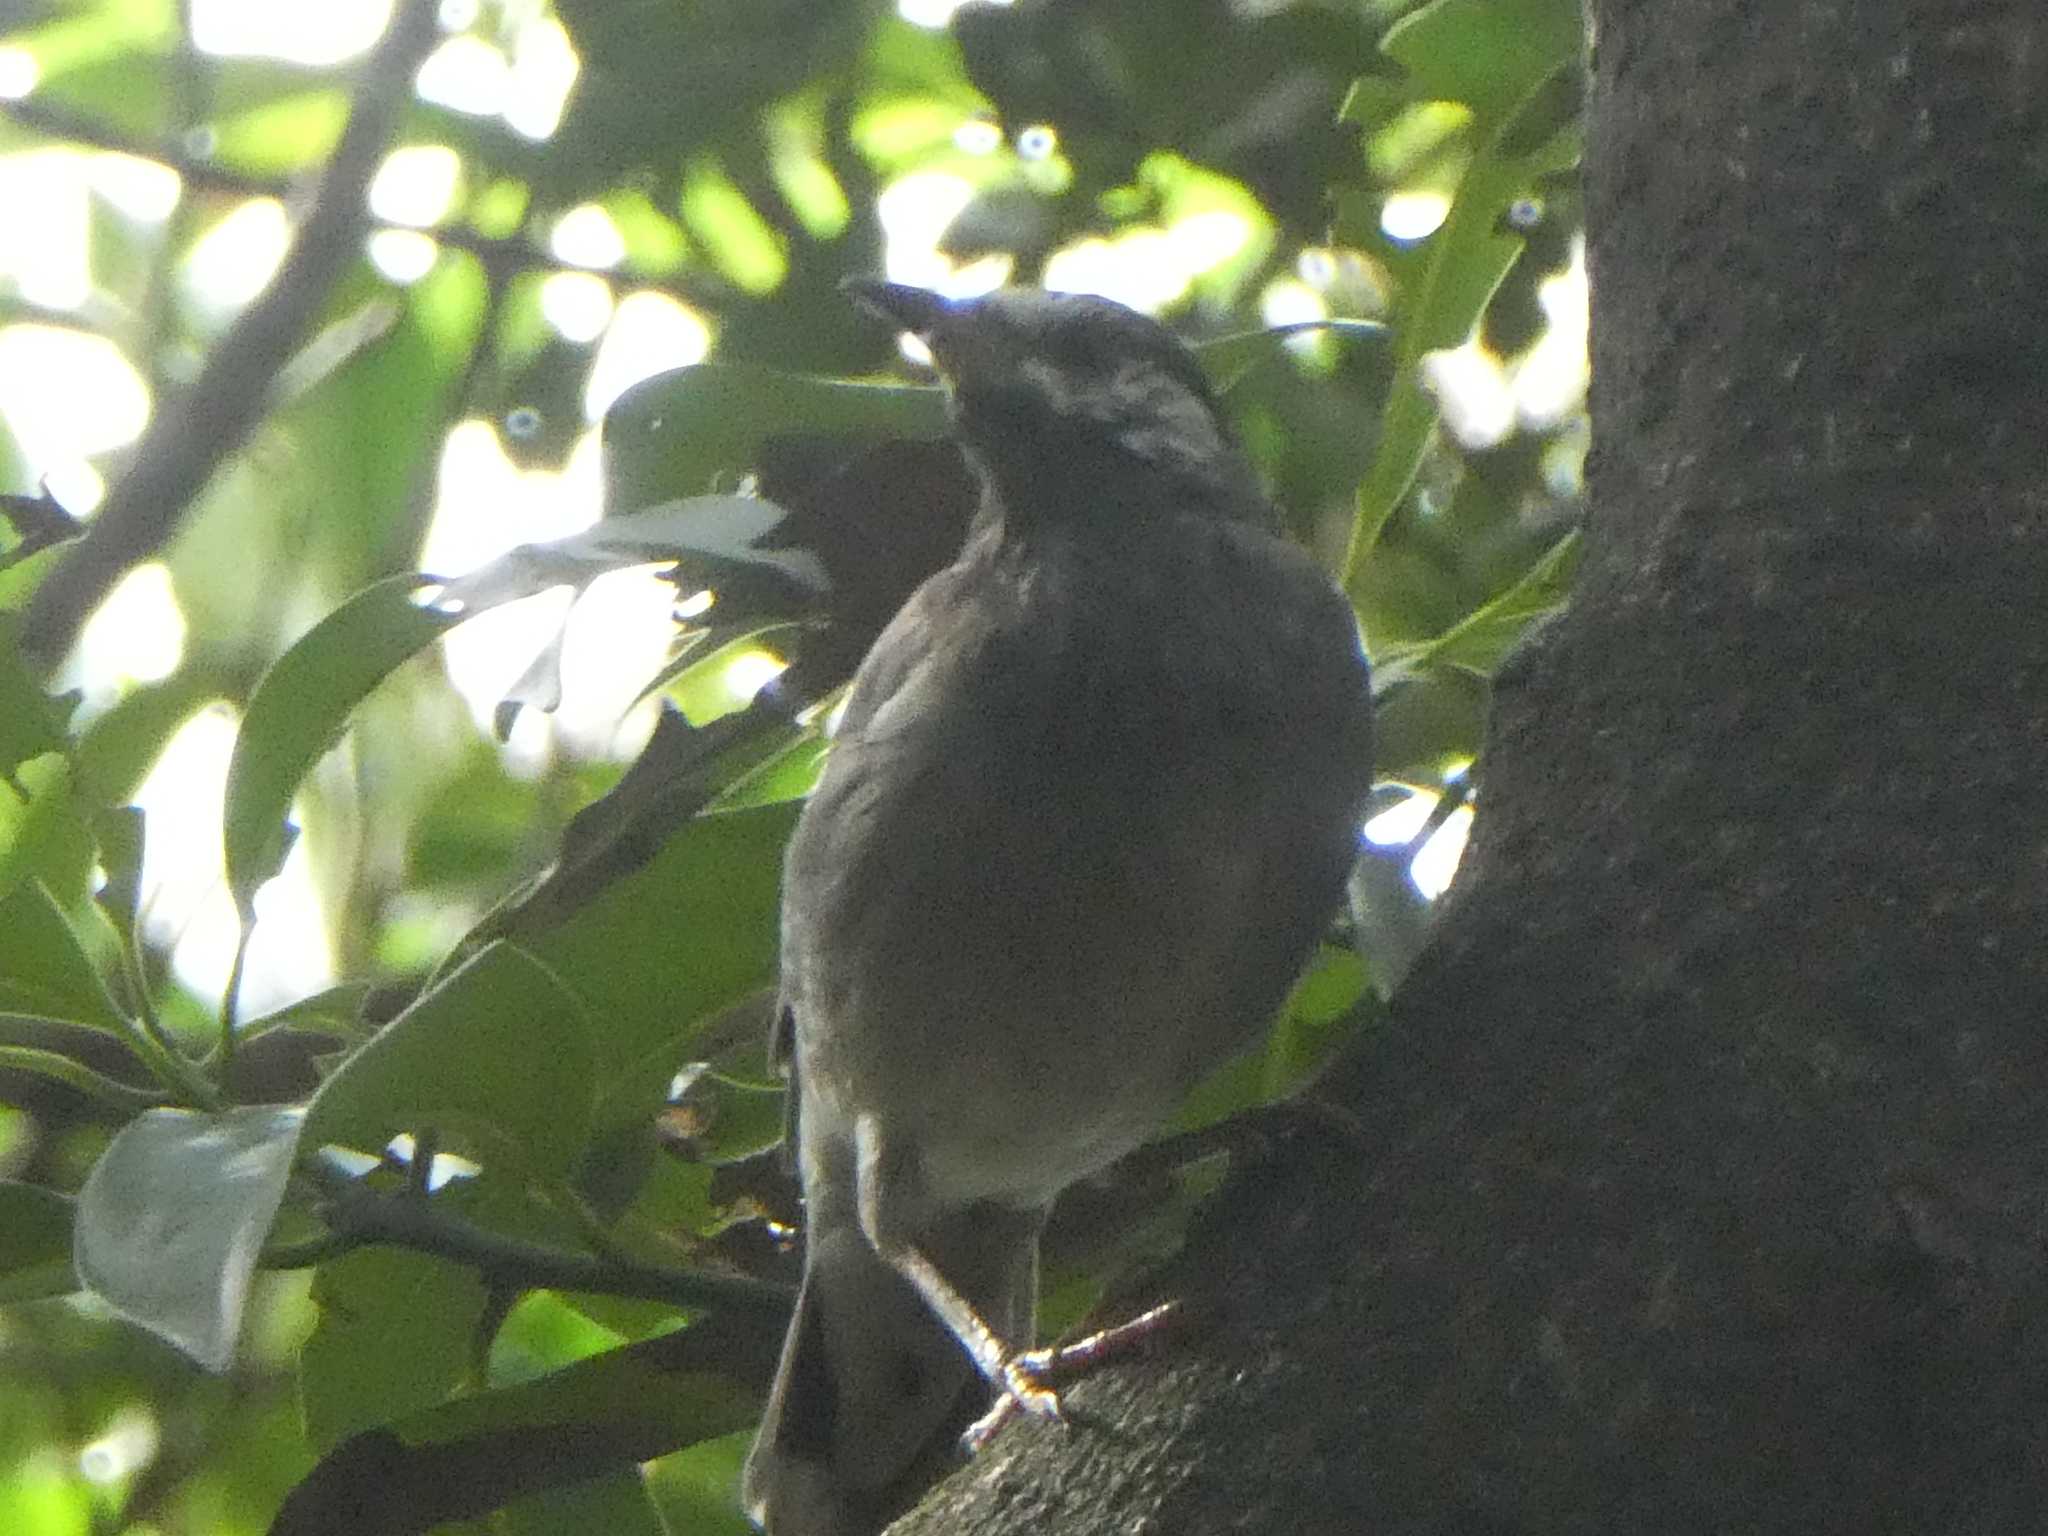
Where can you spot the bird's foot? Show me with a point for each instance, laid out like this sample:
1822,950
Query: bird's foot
1024,1384
1025,1387
1022,1389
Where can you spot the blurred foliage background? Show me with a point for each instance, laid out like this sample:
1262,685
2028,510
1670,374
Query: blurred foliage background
535,816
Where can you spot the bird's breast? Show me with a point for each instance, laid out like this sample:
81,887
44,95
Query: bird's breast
1071,863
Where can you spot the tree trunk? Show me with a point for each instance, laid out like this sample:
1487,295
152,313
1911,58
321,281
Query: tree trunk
1708,1184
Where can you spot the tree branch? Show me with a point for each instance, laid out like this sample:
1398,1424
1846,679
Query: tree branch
359,1215
194,433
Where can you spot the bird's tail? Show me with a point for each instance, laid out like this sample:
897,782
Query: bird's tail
872,1390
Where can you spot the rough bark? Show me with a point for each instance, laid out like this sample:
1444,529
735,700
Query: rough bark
1709,1177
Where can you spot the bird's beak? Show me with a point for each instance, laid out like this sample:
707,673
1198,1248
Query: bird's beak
962,343
916,310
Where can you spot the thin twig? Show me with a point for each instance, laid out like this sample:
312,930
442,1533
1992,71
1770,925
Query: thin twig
361,1215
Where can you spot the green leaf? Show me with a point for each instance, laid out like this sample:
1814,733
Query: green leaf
58,1067
700,685
1319,1017
35,1242
1309,1027
1466,260
462,1458
1228,358
671,1200
21,574
298,710
47,836
684,432
31,721
303,702
617,1504
735,542
1520,99
174,1214
1483,637
738,1118
1373,99
693,1487
790,774
715,533
395,1334
668,947
1489,54
338,1009
499,1044
43,964
679,771
1424,719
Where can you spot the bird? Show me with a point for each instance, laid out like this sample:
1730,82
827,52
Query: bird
1090,806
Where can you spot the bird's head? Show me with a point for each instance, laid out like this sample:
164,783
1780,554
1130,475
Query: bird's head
1071,405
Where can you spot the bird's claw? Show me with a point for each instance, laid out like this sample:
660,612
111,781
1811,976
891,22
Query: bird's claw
1022,1390
1023,1384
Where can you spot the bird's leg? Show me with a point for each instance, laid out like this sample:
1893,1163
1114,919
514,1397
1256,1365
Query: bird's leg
1011,1371
891,1182
1084,1354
